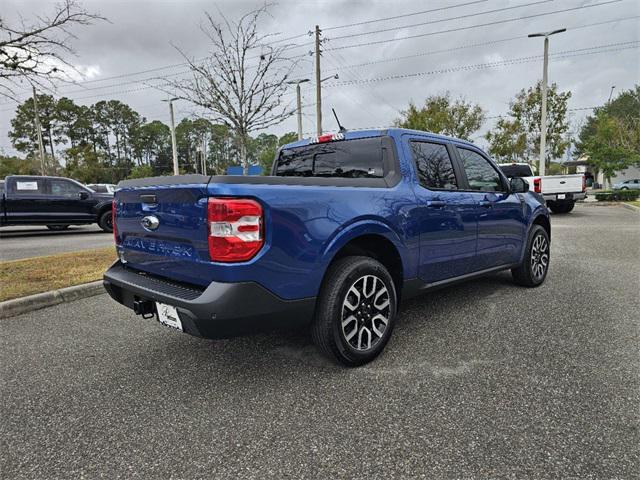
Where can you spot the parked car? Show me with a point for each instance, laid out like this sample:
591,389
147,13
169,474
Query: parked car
627,185
56,202
559,191
347,225
103,187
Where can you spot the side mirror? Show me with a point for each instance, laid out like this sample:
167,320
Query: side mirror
83,195
518,185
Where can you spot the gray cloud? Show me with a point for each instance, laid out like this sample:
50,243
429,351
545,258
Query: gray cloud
140,34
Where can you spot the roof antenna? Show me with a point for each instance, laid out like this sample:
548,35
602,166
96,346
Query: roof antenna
342,129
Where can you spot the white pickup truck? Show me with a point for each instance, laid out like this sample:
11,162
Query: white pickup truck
559,191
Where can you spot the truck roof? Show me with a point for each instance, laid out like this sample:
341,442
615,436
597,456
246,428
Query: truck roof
393,131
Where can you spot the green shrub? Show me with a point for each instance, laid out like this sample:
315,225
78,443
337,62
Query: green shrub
618,196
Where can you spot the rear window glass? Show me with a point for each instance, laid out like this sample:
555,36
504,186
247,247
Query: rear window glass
516,170
360,158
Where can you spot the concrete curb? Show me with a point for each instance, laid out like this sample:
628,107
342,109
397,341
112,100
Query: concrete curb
631,207
18,306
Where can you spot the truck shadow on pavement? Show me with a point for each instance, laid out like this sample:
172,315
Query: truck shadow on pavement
434,314
71,231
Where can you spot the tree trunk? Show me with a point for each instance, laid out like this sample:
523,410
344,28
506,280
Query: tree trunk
243,154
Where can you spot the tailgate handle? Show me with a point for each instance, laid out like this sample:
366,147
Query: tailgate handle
562,182
149,199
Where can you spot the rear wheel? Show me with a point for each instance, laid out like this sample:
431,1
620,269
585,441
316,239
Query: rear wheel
356,311
57,228
105,222
535,264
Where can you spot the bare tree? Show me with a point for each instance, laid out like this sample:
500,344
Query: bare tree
36,51
242,81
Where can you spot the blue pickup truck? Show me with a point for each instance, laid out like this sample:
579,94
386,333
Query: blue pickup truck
346,226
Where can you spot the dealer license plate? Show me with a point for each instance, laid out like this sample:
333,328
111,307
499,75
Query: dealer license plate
168,315
561,196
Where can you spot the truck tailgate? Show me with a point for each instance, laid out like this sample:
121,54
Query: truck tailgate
163,230
561,184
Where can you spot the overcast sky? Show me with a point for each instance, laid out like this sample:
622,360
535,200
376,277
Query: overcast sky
140,32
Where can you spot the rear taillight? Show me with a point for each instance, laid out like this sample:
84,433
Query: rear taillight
537,185
584,183
113,221
236,231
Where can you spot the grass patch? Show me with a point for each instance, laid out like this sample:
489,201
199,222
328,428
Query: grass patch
635,203
19,278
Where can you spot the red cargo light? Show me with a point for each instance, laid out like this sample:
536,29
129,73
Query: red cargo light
113,221
235,229
327,137
537,185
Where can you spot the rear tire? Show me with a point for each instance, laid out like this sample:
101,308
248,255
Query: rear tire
355,312
561,207
535,263
105,222
57,228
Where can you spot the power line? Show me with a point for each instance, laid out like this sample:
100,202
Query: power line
440,20
469,27
480,66
367,22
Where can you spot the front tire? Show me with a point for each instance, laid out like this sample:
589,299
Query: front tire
535,264
105,222
356,311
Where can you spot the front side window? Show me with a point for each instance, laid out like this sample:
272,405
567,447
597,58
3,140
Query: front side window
480,173
64,188
435,170
359,158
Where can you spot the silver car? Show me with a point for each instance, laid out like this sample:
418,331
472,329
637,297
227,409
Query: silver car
633,184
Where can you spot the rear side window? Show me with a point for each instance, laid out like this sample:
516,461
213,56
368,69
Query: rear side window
359,158
516,170
480,173
435,170
26,186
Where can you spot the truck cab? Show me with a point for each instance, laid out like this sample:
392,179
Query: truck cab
55,202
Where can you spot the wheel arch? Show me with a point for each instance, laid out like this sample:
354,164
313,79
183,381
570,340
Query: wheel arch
375,240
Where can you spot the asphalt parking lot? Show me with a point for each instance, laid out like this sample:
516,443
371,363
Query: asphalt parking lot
28,241
481,380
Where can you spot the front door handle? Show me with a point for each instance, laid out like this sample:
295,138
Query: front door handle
486,203
436,204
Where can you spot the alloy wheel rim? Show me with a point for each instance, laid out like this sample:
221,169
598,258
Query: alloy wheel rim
365,313
539,257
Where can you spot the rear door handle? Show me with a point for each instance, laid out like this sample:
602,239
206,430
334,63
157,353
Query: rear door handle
436,204
486,203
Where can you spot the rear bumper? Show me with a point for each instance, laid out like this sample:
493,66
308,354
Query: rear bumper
221,310
567,196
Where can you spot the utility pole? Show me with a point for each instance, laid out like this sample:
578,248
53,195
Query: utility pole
299,101
318,84
543,120
174,147
39,131
204,154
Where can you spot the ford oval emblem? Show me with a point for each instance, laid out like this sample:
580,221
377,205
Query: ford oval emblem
150,223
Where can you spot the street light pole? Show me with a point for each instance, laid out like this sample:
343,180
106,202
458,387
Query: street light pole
39,131
543,120
174,147
299,103
611,93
